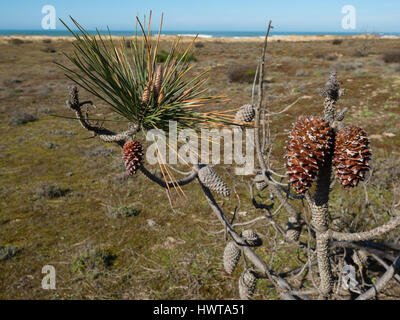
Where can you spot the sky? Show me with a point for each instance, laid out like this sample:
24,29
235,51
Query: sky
211,15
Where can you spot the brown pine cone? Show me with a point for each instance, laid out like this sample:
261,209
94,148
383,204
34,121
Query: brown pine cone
161,97
132,156
309,143
147,92
351,156
158,80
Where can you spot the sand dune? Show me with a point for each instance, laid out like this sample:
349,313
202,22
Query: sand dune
291,38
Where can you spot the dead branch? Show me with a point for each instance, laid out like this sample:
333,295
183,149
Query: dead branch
163,184
382,282
366,235
103,133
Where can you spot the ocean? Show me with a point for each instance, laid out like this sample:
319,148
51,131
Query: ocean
202,34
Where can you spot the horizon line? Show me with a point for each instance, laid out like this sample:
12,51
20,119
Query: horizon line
196,30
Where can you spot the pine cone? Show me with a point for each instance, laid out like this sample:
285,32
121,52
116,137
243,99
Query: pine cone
158,80
146,93
132,156
351,156
161,97
259,181
293,230
251,238
231,257
246,113
309,143
74,95
247,284
211,180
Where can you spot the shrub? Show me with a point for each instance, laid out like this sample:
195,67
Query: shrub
93,261
121,212
331,57
21,118
50,145
101,152
301,73
243,73
337,42
51,191
163,55
347,66
49,49
385,171
391,56
319,55
16,41
7,252
363,50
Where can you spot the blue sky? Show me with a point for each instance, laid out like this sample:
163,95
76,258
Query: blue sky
203,15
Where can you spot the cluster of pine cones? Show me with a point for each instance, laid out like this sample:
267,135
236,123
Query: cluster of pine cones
232,253
312,142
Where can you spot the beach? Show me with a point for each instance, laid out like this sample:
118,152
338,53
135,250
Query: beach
207,38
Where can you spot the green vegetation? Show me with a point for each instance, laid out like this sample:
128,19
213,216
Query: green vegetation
94,262
51,191
163,56
134,86
123,211
21,118
392,56
7,252
242,73
365,113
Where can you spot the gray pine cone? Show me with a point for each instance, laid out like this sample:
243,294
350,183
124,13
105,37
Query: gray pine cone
293,235
293,229
259,182
211,180
251,238
247,284
246,113
231,257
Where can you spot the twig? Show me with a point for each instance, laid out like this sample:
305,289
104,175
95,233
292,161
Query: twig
366,235
382,282
103,133
162,183
385,265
